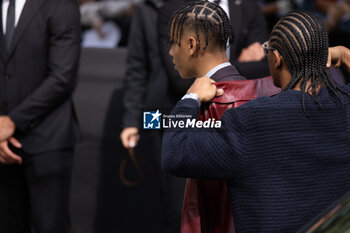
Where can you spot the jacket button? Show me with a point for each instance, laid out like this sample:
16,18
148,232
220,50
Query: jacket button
8,76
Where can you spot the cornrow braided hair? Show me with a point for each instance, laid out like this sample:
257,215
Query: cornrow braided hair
204,17
301,39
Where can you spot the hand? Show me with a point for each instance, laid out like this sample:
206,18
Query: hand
205,89
252,53
129,137
97,26
6,155
284,6
7,128
338,56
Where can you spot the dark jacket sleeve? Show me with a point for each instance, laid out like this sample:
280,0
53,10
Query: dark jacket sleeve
63,57
135,82
256,31
204,153
253,70
257,28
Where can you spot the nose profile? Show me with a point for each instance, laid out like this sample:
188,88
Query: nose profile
171,51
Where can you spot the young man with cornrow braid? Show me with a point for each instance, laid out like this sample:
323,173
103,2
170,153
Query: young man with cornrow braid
199,34
285,158
246,55
198,37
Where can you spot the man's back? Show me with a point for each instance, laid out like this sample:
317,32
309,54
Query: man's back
281,166
295,165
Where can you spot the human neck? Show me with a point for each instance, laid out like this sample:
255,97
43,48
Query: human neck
297,87
208,62
308,84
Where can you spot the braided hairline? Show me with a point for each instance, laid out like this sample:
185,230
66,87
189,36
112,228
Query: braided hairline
286,29
302,28
300,48
179,30
191,13
314,60
205,7
302,40
299,43
300,22
279,32
303,21
201,14
323,59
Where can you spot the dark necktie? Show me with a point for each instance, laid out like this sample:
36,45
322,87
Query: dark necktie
10,23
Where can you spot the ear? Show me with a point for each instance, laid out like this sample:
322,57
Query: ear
192,45
276,59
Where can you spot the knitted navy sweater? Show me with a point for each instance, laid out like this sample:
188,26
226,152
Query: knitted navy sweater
282,167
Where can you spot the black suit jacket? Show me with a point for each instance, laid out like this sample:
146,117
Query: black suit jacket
38,74
228,73
249,26
145,83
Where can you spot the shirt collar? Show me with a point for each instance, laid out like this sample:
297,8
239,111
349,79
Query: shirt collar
216,68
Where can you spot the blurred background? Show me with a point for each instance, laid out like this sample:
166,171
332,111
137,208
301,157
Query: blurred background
116,41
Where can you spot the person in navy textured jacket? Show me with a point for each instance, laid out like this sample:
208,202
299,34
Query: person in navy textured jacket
285,158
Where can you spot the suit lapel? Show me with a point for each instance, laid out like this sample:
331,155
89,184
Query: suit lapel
29,10
3,50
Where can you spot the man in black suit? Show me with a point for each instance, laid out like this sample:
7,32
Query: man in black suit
146,86
39,53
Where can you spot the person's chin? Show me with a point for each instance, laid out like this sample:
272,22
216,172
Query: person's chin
185,77
182,75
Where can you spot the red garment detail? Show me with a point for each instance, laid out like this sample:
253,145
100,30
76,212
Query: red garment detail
207,207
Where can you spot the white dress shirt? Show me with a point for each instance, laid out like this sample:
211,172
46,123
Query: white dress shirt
224,5
19,4
216,68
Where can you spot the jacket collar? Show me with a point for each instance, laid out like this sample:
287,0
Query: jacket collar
227,73
3,50
29,10
245,90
